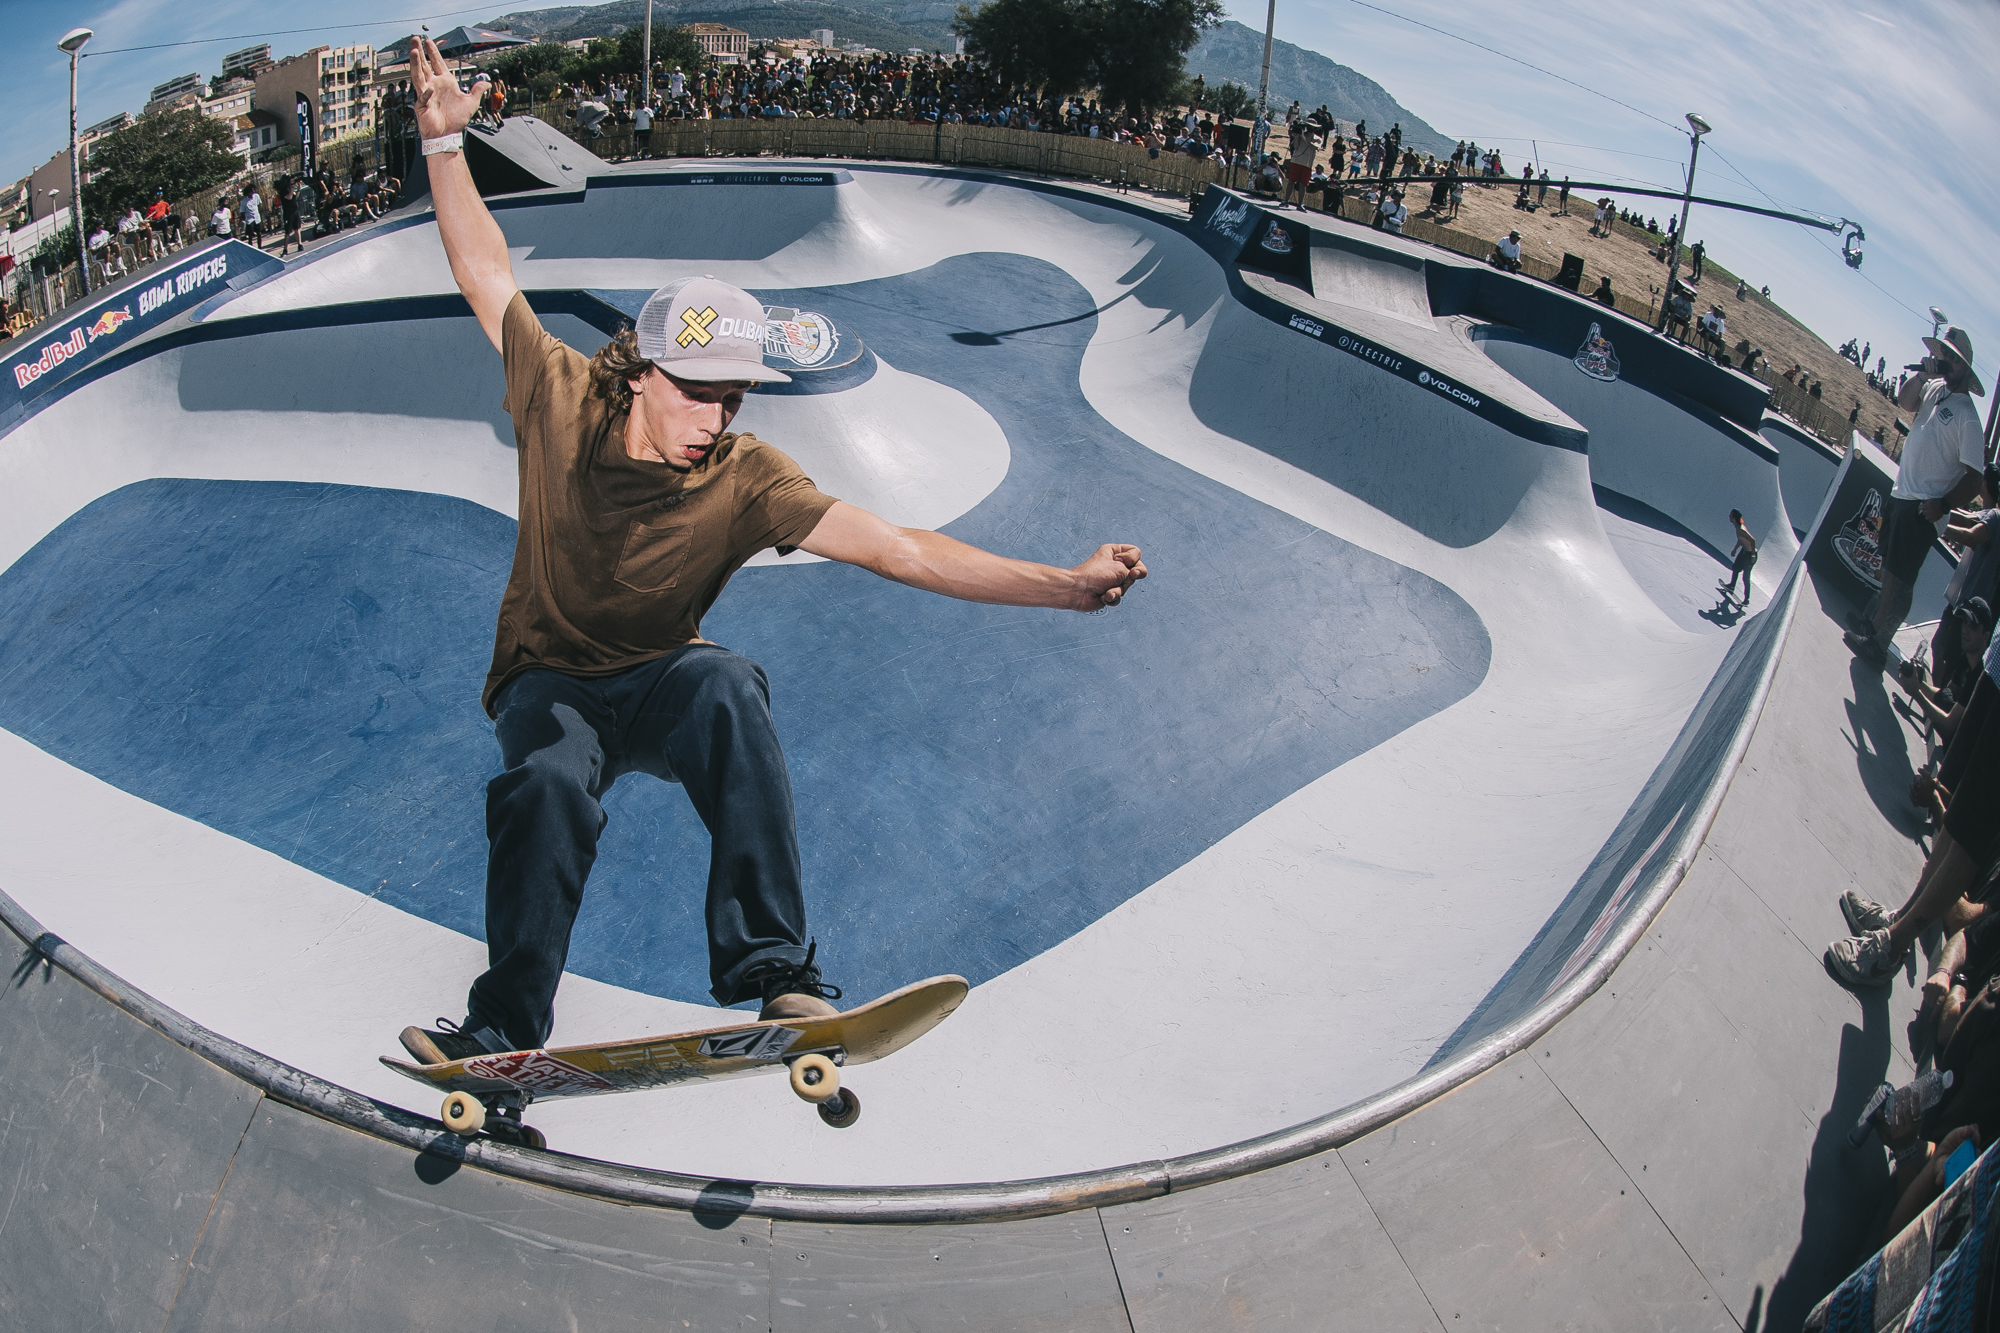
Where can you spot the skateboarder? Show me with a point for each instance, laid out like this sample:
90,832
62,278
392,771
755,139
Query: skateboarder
636,505
1745,558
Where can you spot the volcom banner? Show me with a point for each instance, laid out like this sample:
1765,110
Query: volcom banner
44,357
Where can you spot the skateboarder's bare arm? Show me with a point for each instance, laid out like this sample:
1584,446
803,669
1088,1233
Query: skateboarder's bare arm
473,242
937,563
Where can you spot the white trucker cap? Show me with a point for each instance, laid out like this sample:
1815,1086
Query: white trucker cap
704,329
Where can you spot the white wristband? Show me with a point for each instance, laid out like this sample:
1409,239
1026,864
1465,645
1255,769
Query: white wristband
444,143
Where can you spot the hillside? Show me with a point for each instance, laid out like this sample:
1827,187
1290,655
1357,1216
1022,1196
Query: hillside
888,27
1236,52
1625,256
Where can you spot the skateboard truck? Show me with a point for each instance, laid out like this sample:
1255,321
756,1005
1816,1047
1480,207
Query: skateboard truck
816,1079
497,1114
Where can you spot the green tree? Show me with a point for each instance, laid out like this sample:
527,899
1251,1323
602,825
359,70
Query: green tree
179,152
602,59
57,251
519,65
1132,51
1232,100
1141,49
1041,44
676,48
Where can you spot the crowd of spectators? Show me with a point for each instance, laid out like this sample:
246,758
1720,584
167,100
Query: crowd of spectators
289,209
1942,484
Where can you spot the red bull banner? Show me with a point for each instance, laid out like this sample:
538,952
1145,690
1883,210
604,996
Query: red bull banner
43,357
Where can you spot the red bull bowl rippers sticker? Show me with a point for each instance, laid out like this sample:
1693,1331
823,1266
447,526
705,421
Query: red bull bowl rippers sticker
67,346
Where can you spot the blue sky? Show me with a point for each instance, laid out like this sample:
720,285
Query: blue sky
1872,113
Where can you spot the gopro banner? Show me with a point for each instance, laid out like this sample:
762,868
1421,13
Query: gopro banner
45,356
306,163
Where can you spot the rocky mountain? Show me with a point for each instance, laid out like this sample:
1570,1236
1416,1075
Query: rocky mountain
1236,53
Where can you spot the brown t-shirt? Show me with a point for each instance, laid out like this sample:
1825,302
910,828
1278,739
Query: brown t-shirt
618,558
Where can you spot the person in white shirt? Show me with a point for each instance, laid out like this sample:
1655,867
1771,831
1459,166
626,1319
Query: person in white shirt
676,85
1507,252
105,253
1395,213
1942,466
219,223
642,130
253,215
131,230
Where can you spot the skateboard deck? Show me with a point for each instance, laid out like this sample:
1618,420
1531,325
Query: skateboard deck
812,1048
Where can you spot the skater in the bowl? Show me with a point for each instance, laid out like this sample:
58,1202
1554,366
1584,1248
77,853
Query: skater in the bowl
637,504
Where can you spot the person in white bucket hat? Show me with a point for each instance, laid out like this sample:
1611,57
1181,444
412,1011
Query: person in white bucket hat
1942,467
636,506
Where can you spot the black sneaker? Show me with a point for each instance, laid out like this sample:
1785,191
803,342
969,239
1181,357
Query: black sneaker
1866,648
794,990
448,1042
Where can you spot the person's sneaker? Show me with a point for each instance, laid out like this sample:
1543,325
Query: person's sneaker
1864,960
1863,914
1865,647
794,990
448,1041
1860,624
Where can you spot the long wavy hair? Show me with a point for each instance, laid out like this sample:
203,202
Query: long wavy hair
617,363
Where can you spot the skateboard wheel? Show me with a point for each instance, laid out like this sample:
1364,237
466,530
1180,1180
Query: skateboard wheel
463,1114
842,1109
533,1138
815,1078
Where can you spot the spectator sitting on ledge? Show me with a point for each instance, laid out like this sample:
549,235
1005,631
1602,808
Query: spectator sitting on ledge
1507,253
1604,295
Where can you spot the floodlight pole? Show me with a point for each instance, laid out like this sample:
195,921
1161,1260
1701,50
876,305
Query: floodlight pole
646,60
1696,128
72,44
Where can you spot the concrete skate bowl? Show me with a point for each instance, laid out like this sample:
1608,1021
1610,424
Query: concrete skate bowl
1404,694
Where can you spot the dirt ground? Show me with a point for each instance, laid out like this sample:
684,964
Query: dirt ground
1635,273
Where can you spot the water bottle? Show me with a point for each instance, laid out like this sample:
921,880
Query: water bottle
1900,1106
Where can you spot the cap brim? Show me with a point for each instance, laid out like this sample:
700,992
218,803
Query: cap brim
710,370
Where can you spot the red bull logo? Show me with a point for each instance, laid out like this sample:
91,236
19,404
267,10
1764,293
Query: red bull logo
109,321
53,355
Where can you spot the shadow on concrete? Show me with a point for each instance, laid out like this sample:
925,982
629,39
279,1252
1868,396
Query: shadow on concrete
1846,1189
1881,745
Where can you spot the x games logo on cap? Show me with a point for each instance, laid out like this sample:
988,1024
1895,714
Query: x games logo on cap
703,329
697,326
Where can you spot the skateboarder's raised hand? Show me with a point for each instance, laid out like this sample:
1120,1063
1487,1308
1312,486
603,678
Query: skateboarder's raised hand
941,564
473,241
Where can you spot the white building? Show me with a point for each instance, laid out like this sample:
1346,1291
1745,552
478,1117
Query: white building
347,91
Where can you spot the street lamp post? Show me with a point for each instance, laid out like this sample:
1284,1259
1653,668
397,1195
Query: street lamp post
71,44
1264,79
646,60
1696,128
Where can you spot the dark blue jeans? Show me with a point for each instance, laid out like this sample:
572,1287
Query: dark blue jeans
700,717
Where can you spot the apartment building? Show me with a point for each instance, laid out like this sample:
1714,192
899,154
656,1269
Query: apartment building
347,91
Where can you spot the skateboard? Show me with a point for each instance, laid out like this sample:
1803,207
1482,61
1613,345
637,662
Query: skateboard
488,1093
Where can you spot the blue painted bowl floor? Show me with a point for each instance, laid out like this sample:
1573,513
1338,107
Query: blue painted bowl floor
298,665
